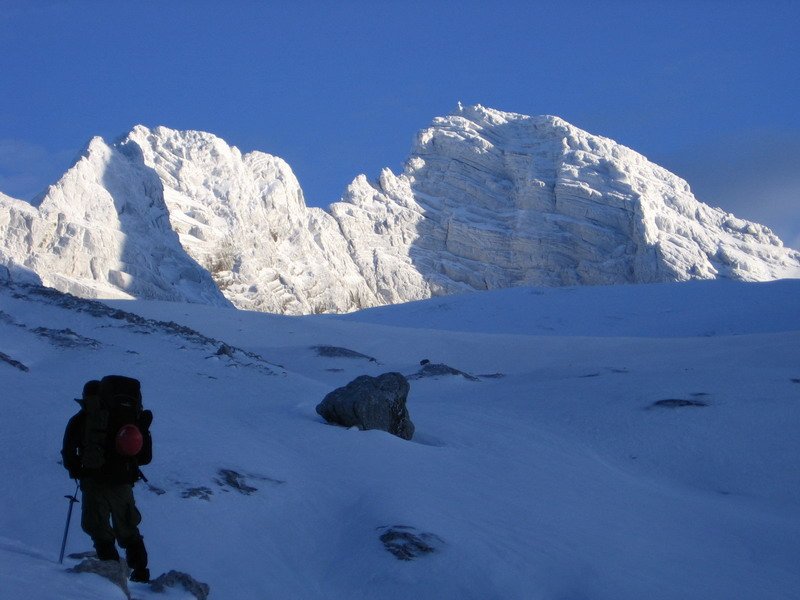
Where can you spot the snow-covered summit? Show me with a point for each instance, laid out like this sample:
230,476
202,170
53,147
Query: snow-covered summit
491,199
487,199
103,231
244,218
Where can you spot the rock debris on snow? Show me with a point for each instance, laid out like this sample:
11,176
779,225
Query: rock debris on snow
407,543
177,579
236,357
235,481
430,369
118,572
14,363
239,482
678,403
202,492
338,352
66,338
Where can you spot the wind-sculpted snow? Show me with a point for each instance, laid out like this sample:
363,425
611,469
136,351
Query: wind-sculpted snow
487,200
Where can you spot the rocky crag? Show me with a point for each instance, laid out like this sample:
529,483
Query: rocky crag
487,200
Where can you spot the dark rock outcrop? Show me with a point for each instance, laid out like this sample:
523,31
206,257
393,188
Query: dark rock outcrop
14,363
678,403
406,543
371,403
435,370
177,579
241,482
338,352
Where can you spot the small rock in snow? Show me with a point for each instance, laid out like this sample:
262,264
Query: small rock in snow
678,403
407,543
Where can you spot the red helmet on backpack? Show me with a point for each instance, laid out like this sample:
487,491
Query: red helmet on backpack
129,440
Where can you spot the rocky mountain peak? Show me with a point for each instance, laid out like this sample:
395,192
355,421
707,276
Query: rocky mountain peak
487,199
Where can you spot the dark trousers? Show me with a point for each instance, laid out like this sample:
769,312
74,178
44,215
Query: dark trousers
109,514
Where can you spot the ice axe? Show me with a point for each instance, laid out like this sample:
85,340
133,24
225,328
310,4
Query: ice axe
72,500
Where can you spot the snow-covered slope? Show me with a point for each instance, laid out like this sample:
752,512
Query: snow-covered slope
487,200
645,451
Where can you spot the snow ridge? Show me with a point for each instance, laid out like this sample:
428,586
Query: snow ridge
487,200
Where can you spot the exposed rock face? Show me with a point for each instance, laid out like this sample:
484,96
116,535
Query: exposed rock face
487,200
371,403
244,218
103,231
491,199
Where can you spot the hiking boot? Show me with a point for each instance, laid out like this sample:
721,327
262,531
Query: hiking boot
106,551
140,575
136,554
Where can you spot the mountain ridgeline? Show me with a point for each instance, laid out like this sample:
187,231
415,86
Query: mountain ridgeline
487,200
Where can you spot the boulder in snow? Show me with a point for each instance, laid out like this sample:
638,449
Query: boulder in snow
115,571
371,403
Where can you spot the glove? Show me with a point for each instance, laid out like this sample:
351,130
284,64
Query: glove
145,420
74,468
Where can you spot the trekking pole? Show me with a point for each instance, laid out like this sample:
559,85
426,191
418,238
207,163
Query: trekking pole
72,500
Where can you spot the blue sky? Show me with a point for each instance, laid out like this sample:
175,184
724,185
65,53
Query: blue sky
709,90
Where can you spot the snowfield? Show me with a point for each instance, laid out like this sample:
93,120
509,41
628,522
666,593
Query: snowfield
621,443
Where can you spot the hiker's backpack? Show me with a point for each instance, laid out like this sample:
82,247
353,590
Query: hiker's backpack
117,405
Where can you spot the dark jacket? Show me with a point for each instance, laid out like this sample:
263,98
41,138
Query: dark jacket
117,469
